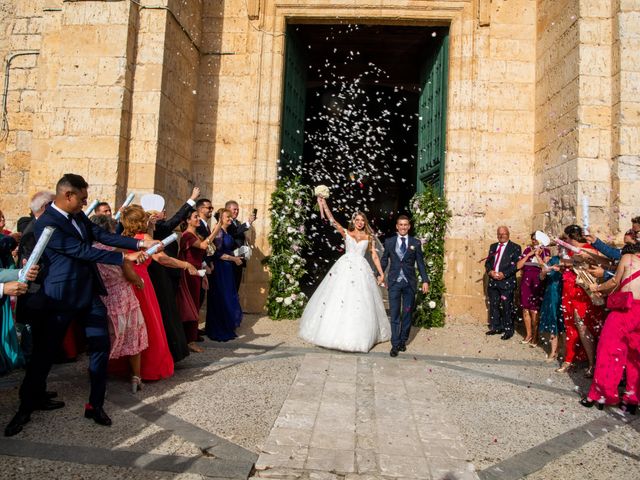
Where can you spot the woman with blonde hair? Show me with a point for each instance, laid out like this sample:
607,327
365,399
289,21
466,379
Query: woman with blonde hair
346,311
156,362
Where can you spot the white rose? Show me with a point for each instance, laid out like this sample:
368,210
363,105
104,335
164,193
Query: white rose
279,299
322,191
432,304
430,263
430,215
287,301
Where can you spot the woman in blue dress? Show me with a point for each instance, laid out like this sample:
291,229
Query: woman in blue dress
550,312
223,304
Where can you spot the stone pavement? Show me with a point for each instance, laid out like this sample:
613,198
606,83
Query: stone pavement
363,416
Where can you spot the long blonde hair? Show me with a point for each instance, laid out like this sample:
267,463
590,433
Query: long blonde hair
367,228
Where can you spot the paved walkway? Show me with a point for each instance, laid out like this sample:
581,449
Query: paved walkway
370,416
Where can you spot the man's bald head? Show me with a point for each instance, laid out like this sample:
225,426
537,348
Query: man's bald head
503,234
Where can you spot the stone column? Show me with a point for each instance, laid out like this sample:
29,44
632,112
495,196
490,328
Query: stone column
626,115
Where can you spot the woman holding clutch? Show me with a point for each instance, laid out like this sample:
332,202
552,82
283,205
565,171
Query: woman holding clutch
223,305
531,287
192,250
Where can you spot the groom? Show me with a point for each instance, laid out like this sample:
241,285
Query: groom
404,252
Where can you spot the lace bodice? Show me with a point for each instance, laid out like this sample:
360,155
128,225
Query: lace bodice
353,247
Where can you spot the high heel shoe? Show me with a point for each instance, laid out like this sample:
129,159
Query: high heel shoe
565,367
629,408
587,402
589,373
136,383
525,341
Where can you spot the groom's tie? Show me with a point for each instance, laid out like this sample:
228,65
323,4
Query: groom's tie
403,245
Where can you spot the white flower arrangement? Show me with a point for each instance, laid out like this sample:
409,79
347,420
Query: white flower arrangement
432,304
322,191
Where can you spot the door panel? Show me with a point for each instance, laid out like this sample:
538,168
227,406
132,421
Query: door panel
432,110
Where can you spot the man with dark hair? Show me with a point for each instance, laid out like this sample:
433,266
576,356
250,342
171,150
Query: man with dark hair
205,211
237,231
404,252
70,289
103,208
501,267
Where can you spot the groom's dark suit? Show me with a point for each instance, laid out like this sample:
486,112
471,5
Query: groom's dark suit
402,283
71,288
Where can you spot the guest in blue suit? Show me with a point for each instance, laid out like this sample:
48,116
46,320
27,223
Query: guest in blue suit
71,288
404,252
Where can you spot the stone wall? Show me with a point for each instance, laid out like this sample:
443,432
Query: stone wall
543,108
20,32
556,114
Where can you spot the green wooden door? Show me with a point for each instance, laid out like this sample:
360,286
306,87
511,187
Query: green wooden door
432,111
293,109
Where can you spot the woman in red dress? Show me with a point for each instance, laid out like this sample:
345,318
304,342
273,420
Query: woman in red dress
156,361
582,319
192,250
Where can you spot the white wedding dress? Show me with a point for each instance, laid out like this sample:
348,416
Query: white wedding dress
346,311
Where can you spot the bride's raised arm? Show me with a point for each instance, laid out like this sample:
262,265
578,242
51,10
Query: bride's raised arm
332,221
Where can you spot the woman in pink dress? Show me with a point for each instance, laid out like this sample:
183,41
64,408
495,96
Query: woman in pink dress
156,362
127,330
192,250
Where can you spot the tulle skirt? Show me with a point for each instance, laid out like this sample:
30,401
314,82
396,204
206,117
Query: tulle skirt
346,311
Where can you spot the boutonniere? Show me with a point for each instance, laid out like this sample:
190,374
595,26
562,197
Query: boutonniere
412,247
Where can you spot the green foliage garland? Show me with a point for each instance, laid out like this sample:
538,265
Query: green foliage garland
289,210
430,219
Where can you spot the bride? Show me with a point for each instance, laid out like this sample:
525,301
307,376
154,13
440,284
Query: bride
346,311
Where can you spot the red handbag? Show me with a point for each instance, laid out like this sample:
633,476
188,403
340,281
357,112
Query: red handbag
622,301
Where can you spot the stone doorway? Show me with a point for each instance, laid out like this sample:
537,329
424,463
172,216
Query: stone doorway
364,112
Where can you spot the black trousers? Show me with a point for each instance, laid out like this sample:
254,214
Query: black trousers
49,329
500,309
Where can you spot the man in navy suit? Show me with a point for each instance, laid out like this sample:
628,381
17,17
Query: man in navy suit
501,269
404,252
71,288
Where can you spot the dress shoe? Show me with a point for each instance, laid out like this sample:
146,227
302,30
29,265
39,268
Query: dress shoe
629,408
506,336
98,414
201,332
494,332
402,347
587,402
200,338
49,404
15,425
50,394
394,352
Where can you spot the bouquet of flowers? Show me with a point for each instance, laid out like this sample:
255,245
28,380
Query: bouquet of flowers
321,191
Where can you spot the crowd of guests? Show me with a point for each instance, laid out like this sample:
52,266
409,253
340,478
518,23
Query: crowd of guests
97,288
580,290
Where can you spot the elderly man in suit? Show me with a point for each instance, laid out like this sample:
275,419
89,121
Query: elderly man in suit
501,269
404,252
71,288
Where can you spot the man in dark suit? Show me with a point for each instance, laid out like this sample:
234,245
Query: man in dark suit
404,252
71,288
237,231
501,269
24,311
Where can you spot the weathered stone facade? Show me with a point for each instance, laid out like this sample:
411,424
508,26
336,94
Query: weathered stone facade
543,107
